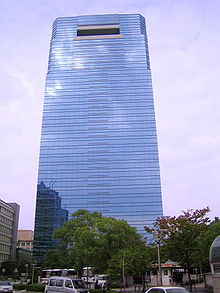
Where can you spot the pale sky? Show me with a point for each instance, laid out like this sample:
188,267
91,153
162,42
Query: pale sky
184,43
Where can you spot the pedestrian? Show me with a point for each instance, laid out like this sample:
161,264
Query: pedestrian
170,280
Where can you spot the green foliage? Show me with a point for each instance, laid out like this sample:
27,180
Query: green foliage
153,255
35,287
10,266
181,236
135,259
19,286
57,258
204,246
89,239
30,287
100,291
95,290
115,284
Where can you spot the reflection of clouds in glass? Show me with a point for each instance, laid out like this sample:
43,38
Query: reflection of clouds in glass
131,55
58,55
58,86
102,49
51,90
118,116
78,63
61,57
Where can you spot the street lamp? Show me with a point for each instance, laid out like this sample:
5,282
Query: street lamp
26,272
15,272
157,237
32,278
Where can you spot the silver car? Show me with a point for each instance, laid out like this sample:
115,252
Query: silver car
65,285
167,290
6,287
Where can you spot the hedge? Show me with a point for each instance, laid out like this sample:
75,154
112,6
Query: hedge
35,287
19,286
100,291
30,287
115,284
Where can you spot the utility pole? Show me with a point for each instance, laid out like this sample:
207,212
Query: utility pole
157,237
26,272
87,277
123,270
32,278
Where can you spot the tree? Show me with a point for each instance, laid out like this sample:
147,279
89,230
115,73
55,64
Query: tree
133,261
57,258
212,231
182,236
10,266
93,240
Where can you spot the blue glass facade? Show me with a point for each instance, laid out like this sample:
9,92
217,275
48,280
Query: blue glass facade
49,215
98,140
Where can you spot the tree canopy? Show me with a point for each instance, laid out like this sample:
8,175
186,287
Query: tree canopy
209,235
181,236
112,246
90,239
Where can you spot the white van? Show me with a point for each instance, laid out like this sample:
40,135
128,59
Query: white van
65,285
103,281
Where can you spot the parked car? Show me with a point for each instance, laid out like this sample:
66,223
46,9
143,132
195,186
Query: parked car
6,287
65,285
103,281
92,280
167,290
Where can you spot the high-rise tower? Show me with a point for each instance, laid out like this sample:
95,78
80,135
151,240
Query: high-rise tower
98,141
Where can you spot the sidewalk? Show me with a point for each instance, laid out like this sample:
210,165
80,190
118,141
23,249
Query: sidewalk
200,288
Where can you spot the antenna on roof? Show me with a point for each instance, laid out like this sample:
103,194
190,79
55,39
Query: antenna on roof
50,183
53,183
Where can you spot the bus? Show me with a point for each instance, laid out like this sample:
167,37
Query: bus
46,274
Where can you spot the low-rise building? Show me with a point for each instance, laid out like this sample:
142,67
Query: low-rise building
23,254
25,245
25,239
171,271
9,215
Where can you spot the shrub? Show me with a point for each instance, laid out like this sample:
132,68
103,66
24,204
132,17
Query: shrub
100,291
115,284
19,286
95,290
35,287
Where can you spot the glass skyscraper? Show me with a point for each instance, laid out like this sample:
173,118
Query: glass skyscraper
99,141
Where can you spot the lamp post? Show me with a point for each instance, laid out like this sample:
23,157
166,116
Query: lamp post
123,270
157,237
32,277
87,277
3,271
26,272
15,272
